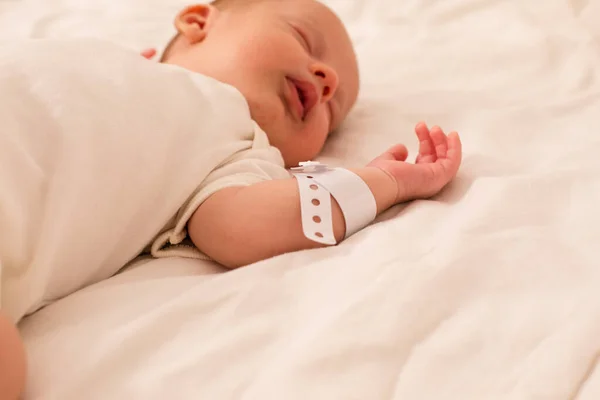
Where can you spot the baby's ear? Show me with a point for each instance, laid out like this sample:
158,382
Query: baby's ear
194,22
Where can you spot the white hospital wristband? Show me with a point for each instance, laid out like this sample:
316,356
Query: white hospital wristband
316,182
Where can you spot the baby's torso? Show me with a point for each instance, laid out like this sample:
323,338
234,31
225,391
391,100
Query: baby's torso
99,148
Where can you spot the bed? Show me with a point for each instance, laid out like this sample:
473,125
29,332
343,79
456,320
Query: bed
490,290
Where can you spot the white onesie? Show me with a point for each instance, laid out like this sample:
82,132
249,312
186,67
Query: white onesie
104,154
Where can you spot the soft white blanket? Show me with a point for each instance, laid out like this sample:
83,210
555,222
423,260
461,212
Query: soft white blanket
99,150
489,291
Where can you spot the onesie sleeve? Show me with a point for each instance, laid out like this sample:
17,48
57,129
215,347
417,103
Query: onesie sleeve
257,162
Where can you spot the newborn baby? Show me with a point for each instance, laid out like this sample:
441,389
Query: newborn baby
295,65
258,87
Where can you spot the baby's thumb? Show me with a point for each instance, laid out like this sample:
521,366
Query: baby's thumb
398,152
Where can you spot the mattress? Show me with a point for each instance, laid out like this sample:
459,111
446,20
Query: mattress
489,290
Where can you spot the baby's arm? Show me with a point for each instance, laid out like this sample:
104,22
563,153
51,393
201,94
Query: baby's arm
242,225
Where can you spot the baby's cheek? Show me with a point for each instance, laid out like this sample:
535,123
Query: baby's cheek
313,139
259,58
266,111
322,126
270,115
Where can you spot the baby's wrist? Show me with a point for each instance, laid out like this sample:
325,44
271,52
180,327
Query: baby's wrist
382,185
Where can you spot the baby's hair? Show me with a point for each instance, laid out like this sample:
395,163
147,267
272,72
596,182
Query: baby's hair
219,4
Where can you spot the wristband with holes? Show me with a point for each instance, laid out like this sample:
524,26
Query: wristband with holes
316,183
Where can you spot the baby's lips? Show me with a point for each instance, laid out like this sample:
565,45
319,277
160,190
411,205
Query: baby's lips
293,99
309,92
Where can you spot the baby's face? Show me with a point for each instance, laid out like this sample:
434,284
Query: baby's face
292,60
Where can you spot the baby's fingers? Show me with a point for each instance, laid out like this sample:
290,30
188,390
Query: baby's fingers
453,158
426,147
440,142
454,148
398,152
148,53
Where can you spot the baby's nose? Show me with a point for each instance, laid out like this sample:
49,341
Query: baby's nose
328,80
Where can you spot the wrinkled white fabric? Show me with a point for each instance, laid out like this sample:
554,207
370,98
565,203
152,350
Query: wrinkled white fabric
100,151
489,291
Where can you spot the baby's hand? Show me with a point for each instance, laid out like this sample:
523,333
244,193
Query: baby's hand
148,53
437,163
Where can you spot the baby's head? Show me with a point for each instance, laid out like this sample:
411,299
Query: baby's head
291,59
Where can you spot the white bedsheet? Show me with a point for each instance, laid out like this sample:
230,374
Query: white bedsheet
489,291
